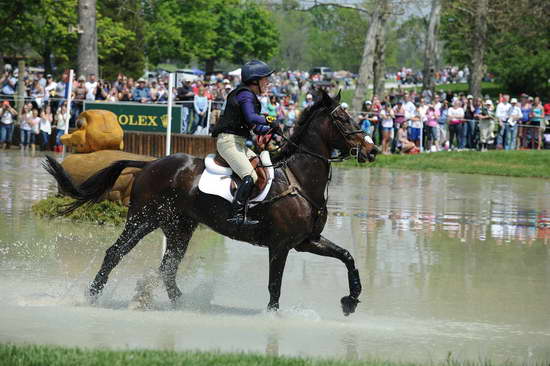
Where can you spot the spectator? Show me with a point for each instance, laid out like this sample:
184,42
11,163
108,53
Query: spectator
61,120
37,94
442,125
141,93
386,118
291,118
8,82
79,93
308,102
404,145
364,123
537,121
102,90
525,106
511,128
432,129
502,113
34,122
91,87
185,94
399,118
415,131
7,117
468,126
455,116
45,127
200,106
25,126
49,89
484,116
371,116
154,91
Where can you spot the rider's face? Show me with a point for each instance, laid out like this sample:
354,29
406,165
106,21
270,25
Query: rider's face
264,84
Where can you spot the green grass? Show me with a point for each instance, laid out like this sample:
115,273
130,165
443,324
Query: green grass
23,355
104,212
492,89
528,163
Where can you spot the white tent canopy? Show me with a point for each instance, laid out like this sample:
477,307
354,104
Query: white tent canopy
235,72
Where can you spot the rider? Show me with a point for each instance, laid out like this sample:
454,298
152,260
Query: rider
242,114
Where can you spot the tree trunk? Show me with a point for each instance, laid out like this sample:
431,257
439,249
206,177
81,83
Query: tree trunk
365,70
430,52
479,45
20,99
379,85
87,45
47,60
209,65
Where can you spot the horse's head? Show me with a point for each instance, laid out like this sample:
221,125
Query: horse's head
344,133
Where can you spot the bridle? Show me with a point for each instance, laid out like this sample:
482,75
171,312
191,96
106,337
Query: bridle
338,122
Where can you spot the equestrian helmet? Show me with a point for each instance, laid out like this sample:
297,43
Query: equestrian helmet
255,70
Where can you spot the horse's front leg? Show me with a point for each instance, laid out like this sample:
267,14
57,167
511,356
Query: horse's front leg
325,247
277,261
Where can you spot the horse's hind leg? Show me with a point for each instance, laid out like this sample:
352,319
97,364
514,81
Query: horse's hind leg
134,230
326,248
178,233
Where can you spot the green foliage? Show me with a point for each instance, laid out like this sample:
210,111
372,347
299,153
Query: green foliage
104,212
325,36
121,27
209,30
518,41
503,163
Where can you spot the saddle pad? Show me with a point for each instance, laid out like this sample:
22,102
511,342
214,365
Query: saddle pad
216,180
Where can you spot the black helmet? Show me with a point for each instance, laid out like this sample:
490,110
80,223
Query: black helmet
255,70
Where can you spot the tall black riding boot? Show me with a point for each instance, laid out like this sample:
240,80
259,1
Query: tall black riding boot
240,201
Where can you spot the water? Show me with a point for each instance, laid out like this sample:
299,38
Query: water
450,263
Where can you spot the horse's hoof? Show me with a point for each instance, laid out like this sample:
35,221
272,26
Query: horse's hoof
273,307
349,304
92,295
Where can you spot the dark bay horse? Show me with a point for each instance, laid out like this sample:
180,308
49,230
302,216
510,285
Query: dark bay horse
165,194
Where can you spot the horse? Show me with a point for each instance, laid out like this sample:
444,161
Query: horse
165,194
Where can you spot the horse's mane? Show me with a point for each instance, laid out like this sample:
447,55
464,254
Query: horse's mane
300,128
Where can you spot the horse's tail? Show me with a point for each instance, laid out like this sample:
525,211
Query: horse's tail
91,190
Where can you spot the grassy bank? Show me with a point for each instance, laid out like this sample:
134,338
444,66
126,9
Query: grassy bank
12,355
104,212
527,163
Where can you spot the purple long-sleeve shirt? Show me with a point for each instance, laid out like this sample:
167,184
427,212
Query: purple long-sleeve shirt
256,121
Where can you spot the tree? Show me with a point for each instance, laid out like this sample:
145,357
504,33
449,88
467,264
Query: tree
428,81
516,45
242,30
121,35
39,27
87,43
367,60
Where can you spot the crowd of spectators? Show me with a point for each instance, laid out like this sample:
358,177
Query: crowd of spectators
411,123
404,120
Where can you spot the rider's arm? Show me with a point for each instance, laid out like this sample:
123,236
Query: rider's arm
255,121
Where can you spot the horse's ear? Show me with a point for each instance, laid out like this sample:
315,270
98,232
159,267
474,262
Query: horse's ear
338,96
326,99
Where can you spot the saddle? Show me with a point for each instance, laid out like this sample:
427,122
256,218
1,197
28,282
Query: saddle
260,170
220,180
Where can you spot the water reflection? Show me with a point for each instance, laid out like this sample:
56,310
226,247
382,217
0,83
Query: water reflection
448,263
462,206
